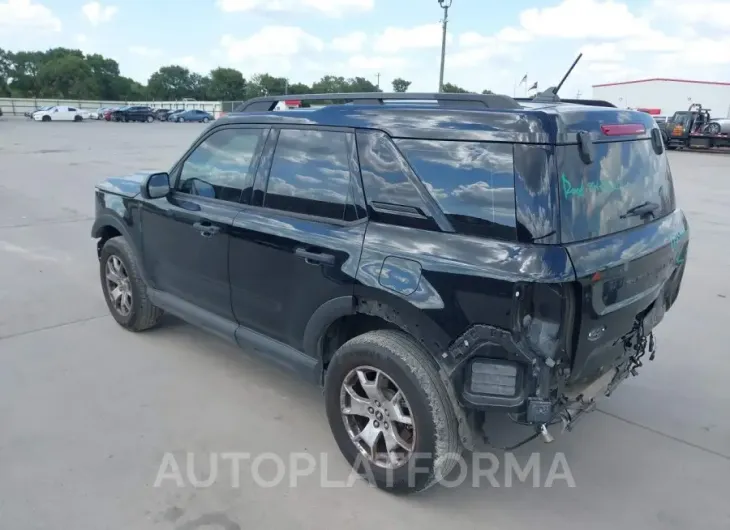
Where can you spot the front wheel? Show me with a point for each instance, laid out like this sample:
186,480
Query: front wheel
180,120
205,120
124,290
78,118
46,118
390,413
150,119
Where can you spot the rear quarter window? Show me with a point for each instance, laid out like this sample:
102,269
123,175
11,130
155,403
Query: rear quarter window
596,199
472,182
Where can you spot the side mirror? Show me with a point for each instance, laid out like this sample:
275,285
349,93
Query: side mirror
156,186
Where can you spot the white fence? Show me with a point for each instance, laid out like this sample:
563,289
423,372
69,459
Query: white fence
19,106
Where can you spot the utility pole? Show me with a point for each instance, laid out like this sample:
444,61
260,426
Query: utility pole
378,85
445,5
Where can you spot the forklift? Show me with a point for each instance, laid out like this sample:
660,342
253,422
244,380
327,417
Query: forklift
692,128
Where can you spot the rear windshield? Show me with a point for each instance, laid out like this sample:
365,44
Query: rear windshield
597,199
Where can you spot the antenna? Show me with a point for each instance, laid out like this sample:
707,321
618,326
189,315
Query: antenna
551,94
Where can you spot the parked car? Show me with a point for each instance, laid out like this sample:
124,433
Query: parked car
133,113
108,113
195,115
59,113
29,114
98,114
424,275
162,114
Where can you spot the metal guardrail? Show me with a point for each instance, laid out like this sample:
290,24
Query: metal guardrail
19,106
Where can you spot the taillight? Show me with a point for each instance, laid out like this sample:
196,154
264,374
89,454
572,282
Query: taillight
623,129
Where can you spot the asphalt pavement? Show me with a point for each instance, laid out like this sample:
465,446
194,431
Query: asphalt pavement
96,422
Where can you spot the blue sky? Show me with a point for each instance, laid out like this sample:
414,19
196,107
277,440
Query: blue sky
491,44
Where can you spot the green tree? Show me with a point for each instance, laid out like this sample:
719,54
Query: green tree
67,76
299,88
170,83
400,85
331,84
265,84
226,84
24,74
454,89
106,74
360,84
485,92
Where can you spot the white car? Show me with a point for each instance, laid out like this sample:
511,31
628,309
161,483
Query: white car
60,113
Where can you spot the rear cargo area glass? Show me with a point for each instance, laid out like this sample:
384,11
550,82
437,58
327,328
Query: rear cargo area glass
596,199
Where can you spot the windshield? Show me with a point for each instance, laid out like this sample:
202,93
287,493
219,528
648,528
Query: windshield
682,118
602,198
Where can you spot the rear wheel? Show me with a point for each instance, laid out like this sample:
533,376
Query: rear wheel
150,119
124,290
389,412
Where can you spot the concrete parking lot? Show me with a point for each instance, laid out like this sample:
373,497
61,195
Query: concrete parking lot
88,411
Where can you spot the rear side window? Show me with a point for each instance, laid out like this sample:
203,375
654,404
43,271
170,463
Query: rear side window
473,183
310,173
599,199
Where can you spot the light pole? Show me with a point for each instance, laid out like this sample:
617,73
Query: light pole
445,5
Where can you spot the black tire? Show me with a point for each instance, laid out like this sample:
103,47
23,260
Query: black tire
180,120
46,118
144,315
78,118
415,373
150,119
205,120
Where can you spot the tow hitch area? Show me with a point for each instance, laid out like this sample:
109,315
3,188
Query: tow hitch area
575,403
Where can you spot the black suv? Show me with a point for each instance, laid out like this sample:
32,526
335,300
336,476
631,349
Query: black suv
425,261
134,113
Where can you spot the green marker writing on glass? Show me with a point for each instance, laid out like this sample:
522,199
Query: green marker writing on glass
603,186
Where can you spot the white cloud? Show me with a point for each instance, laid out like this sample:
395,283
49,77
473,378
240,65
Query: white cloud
583,19
81,38
713,13
24,15
189,62
144,51
351,43
371,62
609,51
514,35
271,41
97,13
331,8
393,40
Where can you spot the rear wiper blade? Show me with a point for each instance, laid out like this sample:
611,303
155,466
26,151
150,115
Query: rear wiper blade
641,210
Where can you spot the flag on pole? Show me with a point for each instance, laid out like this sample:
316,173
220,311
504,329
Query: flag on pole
533,87
524,79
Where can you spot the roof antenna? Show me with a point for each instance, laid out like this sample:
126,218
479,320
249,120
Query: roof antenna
551,94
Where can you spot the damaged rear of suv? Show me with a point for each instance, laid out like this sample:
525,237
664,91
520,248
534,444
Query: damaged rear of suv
426,261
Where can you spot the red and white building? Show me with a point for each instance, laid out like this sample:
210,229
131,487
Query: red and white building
663,96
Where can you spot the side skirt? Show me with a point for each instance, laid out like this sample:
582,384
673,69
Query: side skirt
247,339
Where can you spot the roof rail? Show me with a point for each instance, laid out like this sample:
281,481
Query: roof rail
591,102
491,101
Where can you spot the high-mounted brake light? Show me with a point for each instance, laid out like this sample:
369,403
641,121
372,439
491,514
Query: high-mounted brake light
623,129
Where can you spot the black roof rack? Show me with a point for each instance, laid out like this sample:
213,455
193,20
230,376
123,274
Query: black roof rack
491,101
591,102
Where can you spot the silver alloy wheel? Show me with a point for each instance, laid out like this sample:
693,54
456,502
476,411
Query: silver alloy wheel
377,417
118,286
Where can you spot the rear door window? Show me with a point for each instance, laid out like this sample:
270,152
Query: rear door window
310,173
472,182
599,199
